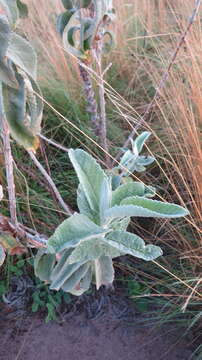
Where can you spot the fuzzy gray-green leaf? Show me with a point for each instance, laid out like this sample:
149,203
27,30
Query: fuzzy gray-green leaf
22,54
15,111
155,208
72,231
6,72
132,244
90,175
139,206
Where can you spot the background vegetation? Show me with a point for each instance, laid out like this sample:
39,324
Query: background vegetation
147,34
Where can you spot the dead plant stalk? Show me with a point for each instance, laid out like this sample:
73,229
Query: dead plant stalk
51,183
9,169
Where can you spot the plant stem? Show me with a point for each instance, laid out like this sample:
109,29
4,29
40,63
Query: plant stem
67,208
164,77
50,141
9,168
103,120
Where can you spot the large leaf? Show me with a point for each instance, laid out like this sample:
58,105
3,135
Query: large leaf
43,265
15,111
104,271
132,244
158,208
91,250
22,54
90,175
2,255
6,72
139,206
72,231
73,282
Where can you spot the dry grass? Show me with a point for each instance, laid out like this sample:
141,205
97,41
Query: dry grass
147,34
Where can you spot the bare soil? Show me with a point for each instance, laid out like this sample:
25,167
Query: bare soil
77,337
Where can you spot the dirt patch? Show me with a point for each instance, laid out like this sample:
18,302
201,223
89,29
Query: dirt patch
78,338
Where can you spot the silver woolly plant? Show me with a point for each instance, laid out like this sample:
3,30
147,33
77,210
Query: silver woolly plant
132,160
19,105
82,248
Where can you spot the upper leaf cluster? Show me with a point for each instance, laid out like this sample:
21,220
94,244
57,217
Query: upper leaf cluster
83,24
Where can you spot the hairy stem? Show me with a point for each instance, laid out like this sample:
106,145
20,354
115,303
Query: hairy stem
51,183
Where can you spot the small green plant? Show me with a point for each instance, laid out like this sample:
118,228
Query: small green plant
132,161
14,268
138,291
83,246
44,299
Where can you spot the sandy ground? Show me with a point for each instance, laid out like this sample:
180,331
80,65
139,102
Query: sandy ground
79,338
